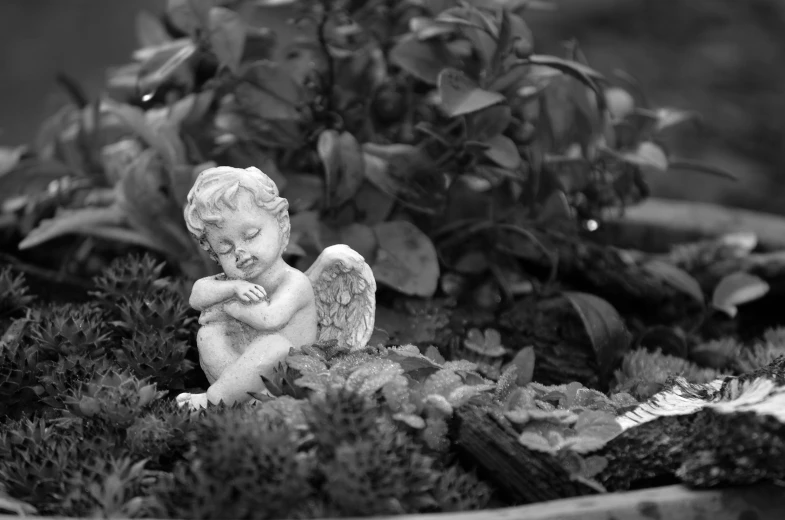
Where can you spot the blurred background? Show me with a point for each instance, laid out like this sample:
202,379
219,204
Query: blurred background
720,57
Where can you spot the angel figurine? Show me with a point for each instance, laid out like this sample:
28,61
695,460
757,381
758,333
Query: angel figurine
260,307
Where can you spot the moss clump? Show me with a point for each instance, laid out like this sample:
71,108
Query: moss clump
644,373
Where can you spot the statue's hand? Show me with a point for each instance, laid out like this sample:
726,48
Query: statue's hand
193,401
249,292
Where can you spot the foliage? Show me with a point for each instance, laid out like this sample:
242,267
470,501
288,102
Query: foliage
437,114
643,373
14,295
94,436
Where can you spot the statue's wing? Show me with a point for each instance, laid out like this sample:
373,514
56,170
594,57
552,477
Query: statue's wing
345,292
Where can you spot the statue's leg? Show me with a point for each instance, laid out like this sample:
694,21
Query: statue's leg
216,349
261,357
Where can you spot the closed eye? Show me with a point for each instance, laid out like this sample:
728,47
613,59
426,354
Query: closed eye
225,250
252,234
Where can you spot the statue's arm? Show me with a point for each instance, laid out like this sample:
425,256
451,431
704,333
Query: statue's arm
209,291
271,316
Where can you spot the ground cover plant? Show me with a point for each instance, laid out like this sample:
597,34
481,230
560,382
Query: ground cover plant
469,171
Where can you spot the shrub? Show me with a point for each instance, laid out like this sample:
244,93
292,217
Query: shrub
435,113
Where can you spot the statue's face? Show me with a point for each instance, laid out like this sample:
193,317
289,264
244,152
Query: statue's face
249,240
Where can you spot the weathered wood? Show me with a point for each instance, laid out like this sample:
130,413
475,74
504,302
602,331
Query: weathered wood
605,271
668,502
523,476
657,224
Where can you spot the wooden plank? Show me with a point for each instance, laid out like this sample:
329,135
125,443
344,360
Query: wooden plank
761,502
665,503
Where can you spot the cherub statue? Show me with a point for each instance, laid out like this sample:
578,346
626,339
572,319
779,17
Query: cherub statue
260,307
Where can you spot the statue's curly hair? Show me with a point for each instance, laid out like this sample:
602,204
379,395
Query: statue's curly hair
216,189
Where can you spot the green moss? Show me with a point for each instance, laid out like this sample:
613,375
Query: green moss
644,373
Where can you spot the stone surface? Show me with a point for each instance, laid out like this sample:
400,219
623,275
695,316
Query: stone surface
259,307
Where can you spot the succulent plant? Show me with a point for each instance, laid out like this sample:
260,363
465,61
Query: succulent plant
131,274
40,461
163,311
117,398
242,465
70,329
156,355
19,371
13,292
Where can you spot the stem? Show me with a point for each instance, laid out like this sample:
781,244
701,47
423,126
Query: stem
321,34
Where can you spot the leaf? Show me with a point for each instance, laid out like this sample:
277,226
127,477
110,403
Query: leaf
486,344
406,259
736,289
303,191
604,325
352,170
267,91
227,36
460,95
164,64
505,39
305,364
700,167
620,103
581,72
668,117
489,123
189,15
536,442
422,59
503,152
524,362
329,149
676,278
556,208
426,28
10,157
75,221
597,424
648,156
150,32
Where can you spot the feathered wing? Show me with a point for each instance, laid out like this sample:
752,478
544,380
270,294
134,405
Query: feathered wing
345,292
